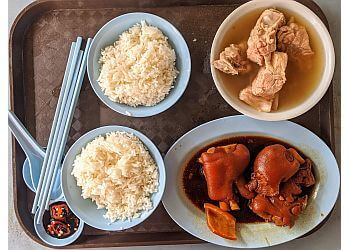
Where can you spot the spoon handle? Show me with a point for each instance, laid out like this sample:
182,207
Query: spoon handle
24,138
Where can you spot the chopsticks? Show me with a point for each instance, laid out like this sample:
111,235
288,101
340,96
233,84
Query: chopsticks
71,85
70,111
54,125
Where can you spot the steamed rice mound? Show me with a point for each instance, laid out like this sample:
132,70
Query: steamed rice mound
118,173
139,68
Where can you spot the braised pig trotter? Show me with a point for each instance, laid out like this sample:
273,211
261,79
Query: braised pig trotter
273,209
273,165
222,166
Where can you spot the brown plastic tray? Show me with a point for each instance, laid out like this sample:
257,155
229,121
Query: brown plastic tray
39,43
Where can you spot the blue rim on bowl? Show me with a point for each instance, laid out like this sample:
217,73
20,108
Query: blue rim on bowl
87,210
110,32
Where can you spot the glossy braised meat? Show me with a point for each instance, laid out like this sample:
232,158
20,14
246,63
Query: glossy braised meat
289,190
222,167
242,188
294,40
262,39
271,78
276,210
273,165
233,60
304,176
284,208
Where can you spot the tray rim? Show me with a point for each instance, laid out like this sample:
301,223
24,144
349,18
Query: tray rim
25,12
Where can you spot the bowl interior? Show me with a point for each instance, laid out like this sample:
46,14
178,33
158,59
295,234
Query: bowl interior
41,232
87,210
31,178
110,32
319,31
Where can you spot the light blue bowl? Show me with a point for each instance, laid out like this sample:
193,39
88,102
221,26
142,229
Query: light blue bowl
110,32
32,183
52,241
87,210
27,176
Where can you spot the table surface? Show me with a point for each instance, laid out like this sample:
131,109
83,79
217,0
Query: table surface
328,237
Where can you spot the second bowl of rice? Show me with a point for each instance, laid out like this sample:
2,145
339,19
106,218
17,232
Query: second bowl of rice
113,178
139,64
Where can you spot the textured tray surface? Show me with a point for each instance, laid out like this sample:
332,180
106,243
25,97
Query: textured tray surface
37,65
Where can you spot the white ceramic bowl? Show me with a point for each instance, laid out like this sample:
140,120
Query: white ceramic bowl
86,209
110,32
328,51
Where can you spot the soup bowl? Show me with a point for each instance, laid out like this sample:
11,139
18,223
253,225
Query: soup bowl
326,46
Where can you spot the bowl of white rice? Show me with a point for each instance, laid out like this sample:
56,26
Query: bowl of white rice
139,64
113,178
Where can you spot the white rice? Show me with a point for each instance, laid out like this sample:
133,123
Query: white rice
118,173
139,68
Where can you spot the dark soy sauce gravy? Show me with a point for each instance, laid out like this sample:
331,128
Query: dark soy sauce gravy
195,185
300,82
69,219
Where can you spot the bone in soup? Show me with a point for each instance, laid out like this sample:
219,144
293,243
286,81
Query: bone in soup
301,74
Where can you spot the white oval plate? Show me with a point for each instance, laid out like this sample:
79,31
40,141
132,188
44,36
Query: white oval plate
191,219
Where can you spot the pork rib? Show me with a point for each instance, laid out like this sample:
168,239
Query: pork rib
262,39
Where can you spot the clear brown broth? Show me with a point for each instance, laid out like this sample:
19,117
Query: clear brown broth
300,83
